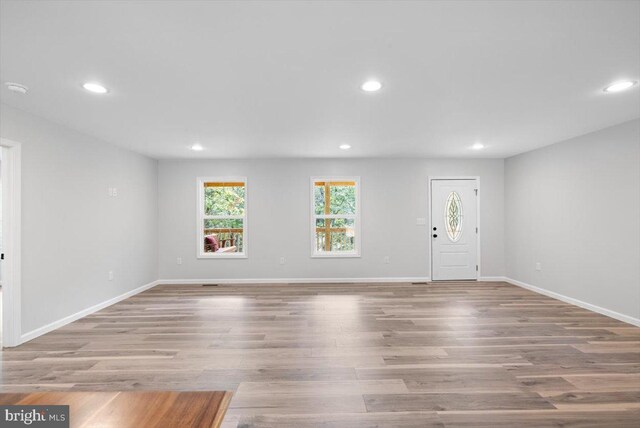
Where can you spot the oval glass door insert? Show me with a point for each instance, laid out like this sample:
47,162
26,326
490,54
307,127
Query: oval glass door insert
453,216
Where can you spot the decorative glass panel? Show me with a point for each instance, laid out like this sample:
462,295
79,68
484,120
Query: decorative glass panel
453,216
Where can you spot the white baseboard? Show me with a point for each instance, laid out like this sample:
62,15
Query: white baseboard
620,317
83,313
285,281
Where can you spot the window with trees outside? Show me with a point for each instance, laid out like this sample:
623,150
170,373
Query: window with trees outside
222,217
335,217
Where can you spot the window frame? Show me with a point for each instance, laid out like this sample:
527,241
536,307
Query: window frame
357,217
201,217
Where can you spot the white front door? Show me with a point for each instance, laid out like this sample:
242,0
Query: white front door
454,232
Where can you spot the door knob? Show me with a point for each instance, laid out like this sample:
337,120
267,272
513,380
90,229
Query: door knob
435,236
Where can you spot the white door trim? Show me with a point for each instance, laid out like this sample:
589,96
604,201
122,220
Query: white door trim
478,252
11,232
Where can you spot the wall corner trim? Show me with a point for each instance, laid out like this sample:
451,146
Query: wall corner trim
603,311
83,313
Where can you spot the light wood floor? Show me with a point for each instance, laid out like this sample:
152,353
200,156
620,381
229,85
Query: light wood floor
375,355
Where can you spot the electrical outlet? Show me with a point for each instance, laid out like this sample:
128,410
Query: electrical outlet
110,275
179,260
282,260
115,192
386,260
538,266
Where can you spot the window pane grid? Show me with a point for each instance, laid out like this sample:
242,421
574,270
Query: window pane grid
334,216
222,214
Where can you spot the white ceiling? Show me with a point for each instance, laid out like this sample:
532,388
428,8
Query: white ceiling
281,79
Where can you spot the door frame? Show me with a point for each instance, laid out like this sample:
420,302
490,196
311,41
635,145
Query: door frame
11,237
429,195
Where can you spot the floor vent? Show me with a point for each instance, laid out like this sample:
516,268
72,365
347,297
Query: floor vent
419,283
209,285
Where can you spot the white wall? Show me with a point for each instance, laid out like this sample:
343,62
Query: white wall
393,192
73,233
575,207
0,219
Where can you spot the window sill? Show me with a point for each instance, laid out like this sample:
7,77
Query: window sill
223,256
335,255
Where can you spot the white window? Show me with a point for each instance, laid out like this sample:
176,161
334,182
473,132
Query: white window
222,217
335,216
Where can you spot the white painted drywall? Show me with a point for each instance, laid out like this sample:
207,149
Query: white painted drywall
394,195
1,245
73,233
575,208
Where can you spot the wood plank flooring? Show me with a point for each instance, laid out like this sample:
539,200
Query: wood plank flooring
352,355
149,409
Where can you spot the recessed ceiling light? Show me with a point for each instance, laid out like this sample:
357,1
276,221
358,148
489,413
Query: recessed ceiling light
620,86
344,146
16,87
197,147
477,146
371,86
95,87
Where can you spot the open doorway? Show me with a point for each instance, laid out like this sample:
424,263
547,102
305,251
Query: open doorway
10,163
